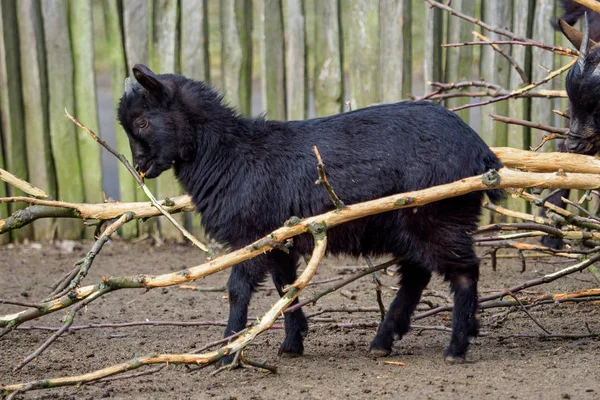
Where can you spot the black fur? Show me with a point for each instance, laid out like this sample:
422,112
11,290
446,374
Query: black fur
247,176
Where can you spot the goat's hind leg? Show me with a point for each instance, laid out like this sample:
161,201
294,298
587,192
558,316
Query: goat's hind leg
283,272
397,320
463,283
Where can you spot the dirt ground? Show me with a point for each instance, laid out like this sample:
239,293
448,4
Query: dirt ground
336,363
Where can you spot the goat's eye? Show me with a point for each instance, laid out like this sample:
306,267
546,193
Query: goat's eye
142,124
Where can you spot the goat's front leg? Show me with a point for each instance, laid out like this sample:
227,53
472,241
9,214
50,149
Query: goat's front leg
243,280
397,320
283,271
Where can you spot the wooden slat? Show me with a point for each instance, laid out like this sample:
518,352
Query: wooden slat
295,60
86,105
459,60
114,36
4,239
273,60
395,52
165,59
63,133
35,106
136,35
432,54
11,109
363,52
542,62
328,79
518,136
236,53
194,61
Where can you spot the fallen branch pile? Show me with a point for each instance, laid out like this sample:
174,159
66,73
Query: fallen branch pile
579,229
569,171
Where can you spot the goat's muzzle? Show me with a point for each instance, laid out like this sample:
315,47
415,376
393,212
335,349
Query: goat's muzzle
580,145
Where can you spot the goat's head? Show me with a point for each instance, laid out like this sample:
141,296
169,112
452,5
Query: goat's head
583,89
153,115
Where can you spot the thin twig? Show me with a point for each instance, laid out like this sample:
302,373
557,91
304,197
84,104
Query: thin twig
339,204
69,318
529,124
520,91
84,265
554,49
533,282
22,185
19,303
527,312
500,31
499,49
345,282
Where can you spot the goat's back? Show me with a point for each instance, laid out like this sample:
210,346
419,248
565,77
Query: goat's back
368,153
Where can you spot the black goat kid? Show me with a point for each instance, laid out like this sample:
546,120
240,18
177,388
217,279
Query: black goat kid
247,176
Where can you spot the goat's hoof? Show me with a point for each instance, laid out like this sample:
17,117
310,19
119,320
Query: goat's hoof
289,354
455,360
474,340
380,352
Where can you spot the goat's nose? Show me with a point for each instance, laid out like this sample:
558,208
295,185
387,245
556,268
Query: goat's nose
572,145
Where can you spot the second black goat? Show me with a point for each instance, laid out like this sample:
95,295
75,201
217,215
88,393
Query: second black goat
247,176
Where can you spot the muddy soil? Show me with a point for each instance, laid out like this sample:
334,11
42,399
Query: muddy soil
336,363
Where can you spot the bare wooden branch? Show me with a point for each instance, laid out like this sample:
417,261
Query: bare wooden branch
517,92
21,184
206,358
554,49
511,60
562,131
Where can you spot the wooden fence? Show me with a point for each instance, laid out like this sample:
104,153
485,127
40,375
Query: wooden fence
292,59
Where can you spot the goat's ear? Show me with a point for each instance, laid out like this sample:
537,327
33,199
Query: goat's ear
149,81
574,36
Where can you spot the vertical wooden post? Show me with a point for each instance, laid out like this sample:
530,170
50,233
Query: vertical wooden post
194,60
136,20
35,106
136,36
542,62
236,53
114,34
432,55
5,238
459,60
518,136
86,107
328,79
11,105
494,68
295,60
63,132
165,59
273,60
195,64
363,50
395,53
